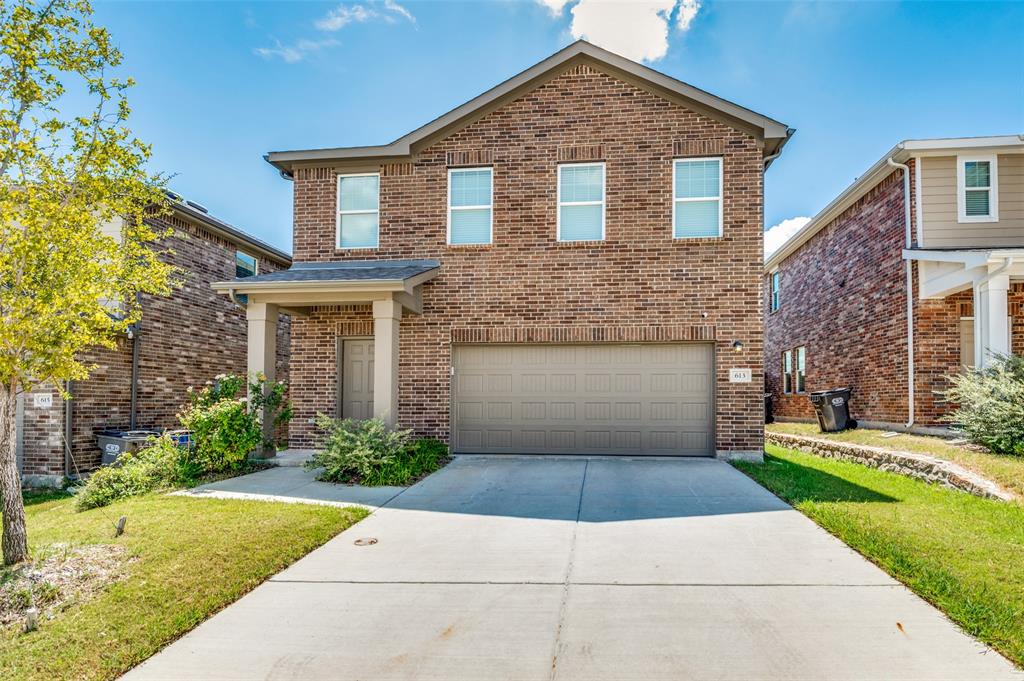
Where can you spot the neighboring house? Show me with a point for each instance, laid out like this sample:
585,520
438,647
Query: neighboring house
183,340
837,292
568,263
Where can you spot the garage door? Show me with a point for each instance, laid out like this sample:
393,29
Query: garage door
650,399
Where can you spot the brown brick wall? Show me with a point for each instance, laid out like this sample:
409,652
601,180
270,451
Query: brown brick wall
637,278
186,340
844,299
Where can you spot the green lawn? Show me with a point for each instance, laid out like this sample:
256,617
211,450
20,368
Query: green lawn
192,558
1007,471
962,553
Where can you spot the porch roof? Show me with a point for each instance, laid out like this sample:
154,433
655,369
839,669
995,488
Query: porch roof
305,285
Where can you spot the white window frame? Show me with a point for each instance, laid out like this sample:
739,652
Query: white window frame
720,198
798,373
787,373
490,227
775,287
338,213
558,209
962,188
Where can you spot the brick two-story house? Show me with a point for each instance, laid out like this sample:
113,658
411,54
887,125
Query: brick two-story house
935,227
569,264
183,340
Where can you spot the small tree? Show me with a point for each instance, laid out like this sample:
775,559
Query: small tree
991,404
66,283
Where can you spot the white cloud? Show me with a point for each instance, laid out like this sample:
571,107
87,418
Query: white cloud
687,12
343,15
637,29
554,6
290,54
777,235
392,6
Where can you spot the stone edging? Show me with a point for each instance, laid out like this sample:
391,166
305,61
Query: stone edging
920,466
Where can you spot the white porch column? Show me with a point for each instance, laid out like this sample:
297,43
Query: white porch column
262,352
387,317
991,331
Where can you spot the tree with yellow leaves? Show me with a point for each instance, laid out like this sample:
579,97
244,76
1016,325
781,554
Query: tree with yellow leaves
66,284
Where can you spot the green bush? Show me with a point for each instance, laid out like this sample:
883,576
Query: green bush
158,465
991,404
368,452
225,428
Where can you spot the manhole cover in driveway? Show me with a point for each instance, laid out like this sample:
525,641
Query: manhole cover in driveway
365,541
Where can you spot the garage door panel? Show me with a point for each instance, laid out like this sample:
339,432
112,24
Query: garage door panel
584,399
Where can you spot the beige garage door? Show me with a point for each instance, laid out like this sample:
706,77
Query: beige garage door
651,399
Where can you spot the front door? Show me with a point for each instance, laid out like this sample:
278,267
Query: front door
356,377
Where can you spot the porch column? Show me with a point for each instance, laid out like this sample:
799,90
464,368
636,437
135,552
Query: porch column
991,331
262,351
387,317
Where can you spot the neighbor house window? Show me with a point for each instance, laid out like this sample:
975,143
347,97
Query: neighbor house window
697,198
801,369
470,207
775,280
787,372
245,265
358,210
581,202
977,189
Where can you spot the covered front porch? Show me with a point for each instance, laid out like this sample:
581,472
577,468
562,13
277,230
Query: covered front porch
392,288
989,275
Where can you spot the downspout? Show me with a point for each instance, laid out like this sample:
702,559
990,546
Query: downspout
135,333
69,464
910,292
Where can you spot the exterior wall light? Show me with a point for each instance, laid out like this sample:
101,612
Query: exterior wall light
737,346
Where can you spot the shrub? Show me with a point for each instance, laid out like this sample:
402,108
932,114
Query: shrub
355,450
225,426
152,467
991,400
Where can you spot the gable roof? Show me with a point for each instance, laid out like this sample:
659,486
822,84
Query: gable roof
774,133
881,169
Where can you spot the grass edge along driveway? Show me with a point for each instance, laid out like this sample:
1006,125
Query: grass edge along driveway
192,557
963,554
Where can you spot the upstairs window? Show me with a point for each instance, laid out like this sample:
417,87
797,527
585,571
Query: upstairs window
470,207
977,189
358,210
697,198
787,372
775,281
245,265
581,202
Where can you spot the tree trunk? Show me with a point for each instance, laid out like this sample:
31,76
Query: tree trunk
15,538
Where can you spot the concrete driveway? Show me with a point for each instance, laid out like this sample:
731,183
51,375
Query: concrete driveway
544,568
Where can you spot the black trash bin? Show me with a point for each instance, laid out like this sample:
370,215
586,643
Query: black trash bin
833,409
768,416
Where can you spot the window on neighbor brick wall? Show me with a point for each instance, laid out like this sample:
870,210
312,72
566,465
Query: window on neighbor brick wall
358,210
977,189
581,202
470,206
787,372
697,198
776,278
801,370
245,265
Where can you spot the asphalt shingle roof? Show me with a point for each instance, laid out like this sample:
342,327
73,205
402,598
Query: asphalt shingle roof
351,270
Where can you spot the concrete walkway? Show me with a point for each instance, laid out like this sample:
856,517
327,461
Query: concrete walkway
590,570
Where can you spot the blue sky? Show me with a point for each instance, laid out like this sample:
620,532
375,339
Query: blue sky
221,83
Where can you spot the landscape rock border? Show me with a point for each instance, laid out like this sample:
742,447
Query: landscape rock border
920,466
